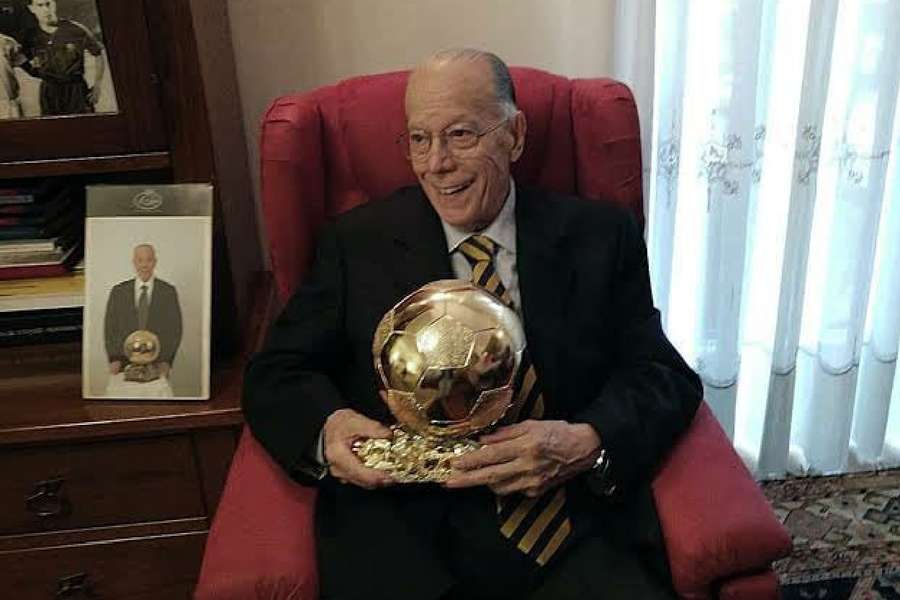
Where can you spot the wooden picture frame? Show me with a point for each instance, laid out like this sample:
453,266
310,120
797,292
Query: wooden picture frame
138,126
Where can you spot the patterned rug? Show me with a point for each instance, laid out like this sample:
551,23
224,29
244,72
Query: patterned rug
846,532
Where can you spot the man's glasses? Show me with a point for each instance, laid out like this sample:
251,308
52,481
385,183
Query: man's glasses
458,138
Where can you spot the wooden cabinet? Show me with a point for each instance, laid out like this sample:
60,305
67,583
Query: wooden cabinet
113,499
147,567
106,499
93,484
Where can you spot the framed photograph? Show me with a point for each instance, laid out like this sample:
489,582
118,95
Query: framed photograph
77,78
52,60
148,264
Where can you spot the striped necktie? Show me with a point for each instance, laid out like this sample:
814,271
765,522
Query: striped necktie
143,307
538,526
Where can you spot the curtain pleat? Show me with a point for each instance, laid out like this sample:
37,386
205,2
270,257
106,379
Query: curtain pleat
774,218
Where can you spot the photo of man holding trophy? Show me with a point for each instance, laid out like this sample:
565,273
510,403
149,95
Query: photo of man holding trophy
148,271
142,330
474,375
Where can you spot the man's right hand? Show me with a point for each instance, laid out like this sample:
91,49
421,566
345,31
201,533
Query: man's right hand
342,428
114,367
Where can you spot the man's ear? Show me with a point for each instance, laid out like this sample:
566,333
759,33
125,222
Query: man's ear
518,130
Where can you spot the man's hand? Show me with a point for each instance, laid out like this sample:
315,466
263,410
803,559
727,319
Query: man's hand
114,367
164,369
93,95
528,457
342,428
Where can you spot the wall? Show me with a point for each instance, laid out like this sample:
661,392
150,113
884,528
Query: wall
283,46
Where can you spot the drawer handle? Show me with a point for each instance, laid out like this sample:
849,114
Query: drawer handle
74,586
48,499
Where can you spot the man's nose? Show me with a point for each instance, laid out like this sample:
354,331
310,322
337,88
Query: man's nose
440,158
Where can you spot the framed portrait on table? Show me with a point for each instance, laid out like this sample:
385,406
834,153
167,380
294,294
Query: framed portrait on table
148,264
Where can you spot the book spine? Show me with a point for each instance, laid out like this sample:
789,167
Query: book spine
40,334
16,198
18,272
40,327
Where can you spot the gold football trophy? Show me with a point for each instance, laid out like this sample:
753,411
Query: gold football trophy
446,357
142,349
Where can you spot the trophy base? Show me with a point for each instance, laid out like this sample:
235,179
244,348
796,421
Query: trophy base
412,458
141,373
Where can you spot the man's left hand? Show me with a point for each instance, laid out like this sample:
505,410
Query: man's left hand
164,369
528,457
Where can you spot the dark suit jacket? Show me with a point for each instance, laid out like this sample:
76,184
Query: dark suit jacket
592,331
163,319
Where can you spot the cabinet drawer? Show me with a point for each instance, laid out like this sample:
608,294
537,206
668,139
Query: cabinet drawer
102,483
136,569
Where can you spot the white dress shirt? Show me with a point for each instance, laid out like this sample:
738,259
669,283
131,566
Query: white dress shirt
502,232
138,283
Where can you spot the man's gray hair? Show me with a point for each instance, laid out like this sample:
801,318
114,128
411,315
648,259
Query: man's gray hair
145,245
503,83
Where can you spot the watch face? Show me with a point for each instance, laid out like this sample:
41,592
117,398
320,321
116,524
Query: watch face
598,480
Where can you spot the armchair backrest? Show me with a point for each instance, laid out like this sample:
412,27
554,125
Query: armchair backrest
328,150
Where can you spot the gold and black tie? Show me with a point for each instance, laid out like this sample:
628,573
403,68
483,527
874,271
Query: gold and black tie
538,526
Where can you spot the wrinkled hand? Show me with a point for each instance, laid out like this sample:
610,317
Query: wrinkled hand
114,367
530,457
342,428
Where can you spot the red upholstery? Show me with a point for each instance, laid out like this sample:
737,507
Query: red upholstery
261,543
336,147
333,148
715,519
759,586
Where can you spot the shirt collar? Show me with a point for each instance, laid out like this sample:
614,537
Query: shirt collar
138,283
502,229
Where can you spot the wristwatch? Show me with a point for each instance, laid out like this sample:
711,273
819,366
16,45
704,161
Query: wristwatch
598,479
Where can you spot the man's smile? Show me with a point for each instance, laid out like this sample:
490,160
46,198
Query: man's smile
453,189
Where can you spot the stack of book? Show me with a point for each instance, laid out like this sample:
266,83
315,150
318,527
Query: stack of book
41,310
41,280
41,229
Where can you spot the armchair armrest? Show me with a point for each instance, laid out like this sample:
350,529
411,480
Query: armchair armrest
715,519
261,543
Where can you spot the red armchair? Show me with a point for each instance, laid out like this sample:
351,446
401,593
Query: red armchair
328,150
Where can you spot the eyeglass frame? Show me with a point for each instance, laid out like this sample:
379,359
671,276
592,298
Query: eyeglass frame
403,139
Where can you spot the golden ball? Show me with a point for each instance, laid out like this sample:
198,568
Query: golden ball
447,356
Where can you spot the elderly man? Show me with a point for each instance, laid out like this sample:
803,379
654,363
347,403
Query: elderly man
555,506
143,302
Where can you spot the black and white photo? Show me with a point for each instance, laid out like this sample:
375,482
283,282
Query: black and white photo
52,60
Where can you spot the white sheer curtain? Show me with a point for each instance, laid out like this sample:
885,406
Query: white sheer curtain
772,136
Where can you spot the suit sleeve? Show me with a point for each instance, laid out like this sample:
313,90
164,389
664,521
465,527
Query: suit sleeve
173,327
652,394
289,387
111,335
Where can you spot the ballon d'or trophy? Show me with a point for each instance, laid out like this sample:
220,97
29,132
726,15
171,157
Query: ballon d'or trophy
446,356
142,349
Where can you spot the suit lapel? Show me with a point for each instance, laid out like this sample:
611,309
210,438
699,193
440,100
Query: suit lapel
419,252
546,278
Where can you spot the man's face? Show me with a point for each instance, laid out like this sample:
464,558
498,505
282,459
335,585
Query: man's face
44,11
466,188
144,262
